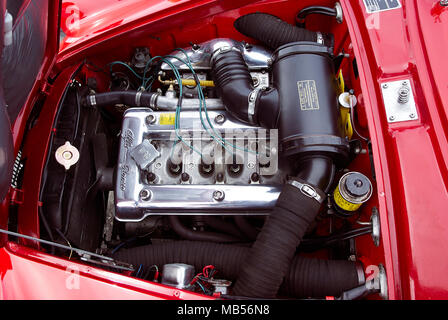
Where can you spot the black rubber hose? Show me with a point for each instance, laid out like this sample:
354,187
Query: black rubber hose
306,277
316,10
235,86
250,231
188,234
129,98
274,32
318,171
272,252
224,226
314,277
314,244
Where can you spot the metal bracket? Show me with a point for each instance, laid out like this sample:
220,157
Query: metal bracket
399,101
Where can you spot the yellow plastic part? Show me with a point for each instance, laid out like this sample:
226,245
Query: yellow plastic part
341,82
192,82
344,204
189,82
167,119
346,122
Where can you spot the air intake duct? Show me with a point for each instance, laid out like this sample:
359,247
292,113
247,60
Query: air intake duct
303,105
304,78
274,32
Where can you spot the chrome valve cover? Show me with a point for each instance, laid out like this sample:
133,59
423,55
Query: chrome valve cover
159,174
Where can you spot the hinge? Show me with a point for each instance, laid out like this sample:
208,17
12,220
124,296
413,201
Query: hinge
16,196
46,88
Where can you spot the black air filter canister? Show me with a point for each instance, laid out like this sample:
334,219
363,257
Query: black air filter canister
304,77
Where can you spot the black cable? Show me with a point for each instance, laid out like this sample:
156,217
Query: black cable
46,226
95,69
316,10
78,115
301,16
321,242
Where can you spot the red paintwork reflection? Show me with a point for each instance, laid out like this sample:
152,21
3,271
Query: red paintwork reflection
30,274
410,158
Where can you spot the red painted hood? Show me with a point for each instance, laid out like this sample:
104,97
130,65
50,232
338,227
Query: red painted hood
411,158
84,20
25,63
433,20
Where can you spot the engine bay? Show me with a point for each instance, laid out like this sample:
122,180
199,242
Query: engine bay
233,164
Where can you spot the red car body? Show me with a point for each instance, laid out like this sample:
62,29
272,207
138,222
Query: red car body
410,158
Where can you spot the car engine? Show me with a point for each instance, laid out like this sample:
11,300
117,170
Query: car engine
215,154
220,180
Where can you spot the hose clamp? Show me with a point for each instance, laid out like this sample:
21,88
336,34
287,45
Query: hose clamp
225,48
320,38
92,99
152,101
339,13
360,273
251,102
307,190
137,98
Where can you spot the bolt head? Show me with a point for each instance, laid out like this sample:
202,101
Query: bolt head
412,115
220,177
150,119
151,177
220,119
255,177
392,118
385,86
185,177
145,195
218,195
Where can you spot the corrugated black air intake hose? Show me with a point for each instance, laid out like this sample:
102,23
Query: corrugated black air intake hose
270,256
274,32
234,84
306,277
300,201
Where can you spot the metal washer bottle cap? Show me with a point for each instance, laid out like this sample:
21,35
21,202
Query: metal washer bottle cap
353,190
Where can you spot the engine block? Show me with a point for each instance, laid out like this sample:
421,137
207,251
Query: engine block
160,174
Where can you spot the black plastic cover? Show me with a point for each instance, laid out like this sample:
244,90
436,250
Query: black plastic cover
303,76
